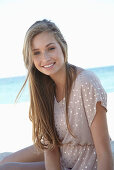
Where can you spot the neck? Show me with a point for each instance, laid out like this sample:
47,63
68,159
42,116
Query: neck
60,78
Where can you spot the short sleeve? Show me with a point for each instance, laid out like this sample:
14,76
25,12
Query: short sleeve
92,92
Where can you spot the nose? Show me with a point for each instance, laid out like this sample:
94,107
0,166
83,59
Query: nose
45,56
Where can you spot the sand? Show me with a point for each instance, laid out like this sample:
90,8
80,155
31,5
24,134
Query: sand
15,127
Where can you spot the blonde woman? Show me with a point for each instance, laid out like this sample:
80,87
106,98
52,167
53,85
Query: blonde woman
67,109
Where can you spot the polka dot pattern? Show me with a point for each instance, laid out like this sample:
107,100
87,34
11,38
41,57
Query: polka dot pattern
79,153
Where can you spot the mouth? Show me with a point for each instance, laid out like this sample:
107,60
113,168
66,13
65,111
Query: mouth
49,66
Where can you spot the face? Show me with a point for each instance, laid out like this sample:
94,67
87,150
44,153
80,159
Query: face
48,57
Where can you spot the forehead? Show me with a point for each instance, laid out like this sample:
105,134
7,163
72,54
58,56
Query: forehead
43,39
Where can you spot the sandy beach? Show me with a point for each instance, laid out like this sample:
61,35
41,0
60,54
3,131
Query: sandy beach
16,128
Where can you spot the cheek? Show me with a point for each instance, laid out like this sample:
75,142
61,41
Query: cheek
36,62
59,55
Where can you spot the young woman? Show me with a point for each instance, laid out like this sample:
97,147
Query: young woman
67,109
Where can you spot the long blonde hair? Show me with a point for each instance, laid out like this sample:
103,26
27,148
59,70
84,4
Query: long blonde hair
42,88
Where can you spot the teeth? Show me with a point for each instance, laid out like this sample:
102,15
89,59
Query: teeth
48,65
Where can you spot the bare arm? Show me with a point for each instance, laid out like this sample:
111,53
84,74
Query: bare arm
29,154
101,139
52,159
23,166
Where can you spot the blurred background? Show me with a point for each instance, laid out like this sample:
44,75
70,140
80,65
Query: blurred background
87,26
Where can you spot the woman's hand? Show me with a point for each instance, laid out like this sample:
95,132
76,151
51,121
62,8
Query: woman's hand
52,159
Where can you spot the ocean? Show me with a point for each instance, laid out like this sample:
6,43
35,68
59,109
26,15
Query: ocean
9,87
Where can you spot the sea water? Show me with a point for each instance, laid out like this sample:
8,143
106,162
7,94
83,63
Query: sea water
10,87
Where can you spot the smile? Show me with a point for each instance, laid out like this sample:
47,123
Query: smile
47,66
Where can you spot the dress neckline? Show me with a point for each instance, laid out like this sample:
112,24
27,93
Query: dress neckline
60,100
83,70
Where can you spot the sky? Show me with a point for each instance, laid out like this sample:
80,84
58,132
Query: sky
87,25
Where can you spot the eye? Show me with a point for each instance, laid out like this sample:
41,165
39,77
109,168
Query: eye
51,48
37,53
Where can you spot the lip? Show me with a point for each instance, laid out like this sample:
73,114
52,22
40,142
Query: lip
50,66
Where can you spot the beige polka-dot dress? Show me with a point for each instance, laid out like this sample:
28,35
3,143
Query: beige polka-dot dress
79,153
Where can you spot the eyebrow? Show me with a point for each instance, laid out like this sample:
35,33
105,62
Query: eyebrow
46,46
